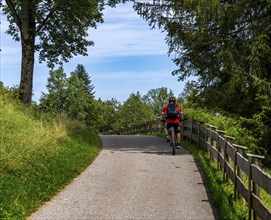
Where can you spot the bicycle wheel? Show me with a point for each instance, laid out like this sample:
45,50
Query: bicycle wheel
172,141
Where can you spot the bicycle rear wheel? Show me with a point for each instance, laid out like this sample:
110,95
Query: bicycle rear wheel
172,141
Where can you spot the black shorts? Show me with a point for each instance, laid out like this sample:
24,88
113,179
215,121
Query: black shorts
175,125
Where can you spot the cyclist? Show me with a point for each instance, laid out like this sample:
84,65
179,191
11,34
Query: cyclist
173,114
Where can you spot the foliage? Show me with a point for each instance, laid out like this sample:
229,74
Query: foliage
134,111
77,100
80,94
56,86
59,35
72,96
190,94
111,114
232,126
31,149
157,98
219,43
82,74
104,114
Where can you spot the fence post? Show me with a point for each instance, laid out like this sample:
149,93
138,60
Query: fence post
230,140
213,141
226,157
205,138
209,141
191,131
237,171
254,189
198,134
220,133
182,127
225,176
201,125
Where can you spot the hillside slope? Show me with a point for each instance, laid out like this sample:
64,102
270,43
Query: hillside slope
38,157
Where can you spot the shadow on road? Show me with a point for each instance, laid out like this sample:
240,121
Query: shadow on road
138,144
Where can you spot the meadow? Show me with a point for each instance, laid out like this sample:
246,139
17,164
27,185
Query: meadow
38,157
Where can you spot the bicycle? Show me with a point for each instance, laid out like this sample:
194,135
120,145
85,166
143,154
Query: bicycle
173,139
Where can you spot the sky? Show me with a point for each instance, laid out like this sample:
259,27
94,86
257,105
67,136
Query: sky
127,57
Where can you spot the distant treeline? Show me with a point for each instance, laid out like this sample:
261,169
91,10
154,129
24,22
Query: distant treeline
74,97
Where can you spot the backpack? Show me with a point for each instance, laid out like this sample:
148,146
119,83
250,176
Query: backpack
172,111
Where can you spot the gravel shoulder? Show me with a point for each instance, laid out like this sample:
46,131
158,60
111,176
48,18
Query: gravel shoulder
134,177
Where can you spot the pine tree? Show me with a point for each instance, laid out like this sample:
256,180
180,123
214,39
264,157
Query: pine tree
56,98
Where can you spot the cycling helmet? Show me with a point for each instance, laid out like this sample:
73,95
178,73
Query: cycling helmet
172,99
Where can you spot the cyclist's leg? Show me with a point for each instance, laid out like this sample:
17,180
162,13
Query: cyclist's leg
166,131
178,134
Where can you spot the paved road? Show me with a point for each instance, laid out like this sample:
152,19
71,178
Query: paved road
134,177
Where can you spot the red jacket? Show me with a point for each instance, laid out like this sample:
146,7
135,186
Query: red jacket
174,121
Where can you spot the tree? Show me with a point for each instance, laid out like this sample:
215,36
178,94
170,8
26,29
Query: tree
190,95
78,102
81,94
104,115
157,98
60,26
72,96
55,100
82,74
134,111
223,43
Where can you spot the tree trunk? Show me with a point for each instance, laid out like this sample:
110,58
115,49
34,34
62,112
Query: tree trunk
28,51
27,69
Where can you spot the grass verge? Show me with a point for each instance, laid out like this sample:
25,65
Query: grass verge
221,193
23,190
37,159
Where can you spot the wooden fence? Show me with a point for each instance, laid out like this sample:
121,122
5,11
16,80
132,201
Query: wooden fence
242,169
148,127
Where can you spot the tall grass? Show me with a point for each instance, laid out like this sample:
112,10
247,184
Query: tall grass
38,158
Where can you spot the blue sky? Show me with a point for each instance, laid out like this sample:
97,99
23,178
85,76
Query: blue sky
127,57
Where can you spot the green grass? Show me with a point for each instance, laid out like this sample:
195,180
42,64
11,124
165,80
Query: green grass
221,192
37,158
266,198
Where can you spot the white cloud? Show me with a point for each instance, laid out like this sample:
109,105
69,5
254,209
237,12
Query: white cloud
132,75
124,34
10,49
120,85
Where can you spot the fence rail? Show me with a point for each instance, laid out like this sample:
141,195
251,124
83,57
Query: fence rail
242,169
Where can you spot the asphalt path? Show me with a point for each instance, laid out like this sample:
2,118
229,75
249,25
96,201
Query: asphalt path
134,177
